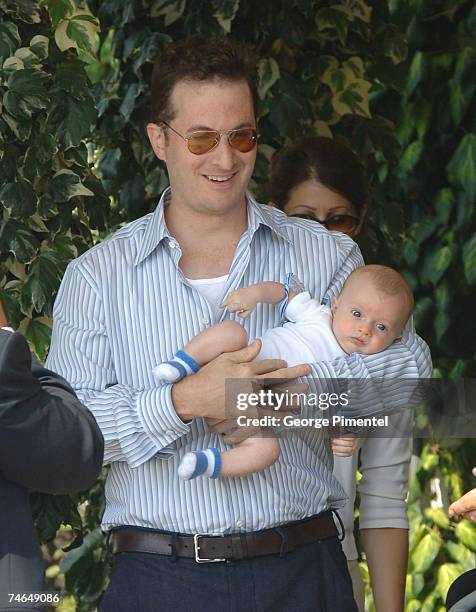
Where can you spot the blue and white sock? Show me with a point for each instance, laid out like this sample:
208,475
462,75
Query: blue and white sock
206,462
177,368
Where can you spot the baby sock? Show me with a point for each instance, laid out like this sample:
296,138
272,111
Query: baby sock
174,370
207,462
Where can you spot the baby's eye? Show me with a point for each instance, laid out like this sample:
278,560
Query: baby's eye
381,327
356,313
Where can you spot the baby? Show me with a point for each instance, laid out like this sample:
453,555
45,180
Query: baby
369,314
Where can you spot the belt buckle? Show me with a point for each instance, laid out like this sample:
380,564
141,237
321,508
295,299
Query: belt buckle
199,559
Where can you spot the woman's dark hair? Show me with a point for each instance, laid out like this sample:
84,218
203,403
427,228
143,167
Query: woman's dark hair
324,160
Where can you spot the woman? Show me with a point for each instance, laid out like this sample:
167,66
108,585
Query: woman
322,180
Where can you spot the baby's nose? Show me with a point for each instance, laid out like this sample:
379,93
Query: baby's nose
364,329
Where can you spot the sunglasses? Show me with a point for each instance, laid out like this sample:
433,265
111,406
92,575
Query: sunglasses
204,141
346,224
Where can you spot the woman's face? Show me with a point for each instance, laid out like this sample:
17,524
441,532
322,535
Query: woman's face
312,200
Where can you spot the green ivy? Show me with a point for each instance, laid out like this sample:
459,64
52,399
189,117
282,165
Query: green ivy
394,80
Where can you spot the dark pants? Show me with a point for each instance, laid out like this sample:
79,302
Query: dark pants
313,578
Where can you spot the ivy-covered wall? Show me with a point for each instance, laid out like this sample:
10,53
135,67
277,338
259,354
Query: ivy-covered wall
394,79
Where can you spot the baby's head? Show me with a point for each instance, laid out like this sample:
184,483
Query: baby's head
371,310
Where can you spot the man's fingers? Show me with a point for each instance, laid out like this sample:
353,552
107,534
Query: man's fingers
296,371
246,354
266,366
467,503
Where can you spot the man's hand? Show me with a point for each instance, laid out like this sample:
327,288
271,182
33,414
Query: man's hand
344,447
203,394
3,317
242,301
465,506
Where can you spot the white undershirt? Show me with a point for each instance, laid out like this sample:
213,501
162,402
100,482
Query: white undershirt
212,290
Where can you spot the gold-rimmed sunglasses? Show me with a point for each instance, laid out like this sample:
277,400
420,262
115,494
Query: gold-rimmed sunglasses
204,141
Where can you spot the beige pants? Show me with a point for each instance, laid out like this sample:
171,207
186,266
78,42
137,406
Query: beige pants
357,584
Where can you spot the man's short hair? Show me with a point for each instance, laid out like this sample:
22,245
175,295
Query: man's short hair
200,58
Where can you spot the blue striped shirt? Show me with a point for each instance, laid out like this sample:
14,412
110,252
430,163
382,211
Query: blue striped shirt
125,306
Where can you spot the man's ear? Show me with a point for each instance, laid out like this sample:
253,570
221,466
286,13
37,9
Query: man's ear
156,136
334,304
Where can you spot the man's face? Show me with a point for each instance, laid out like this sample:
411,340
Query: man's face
214,182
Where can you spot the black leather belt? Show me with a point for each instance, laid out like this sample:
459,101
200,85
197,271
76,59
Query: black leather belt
210,548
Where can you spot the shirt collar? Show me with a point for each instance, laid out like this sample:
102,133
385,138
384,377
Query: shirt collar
156,230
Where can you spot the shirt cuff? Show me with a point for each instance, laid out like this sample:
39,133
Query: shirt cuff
10,329
158,417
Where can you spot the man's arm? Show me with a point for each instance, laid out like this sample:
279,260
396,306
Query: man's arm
48,441
137,424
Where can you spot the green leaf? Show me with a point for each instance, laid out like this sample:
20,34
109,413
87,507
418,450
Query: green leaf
466,533
9,39
426,552
23,246
28,82
460,100
83,35
447,574
417,69
413,606
19,197
90,543
65,184
59,9
410,251
268,73
171,10
462,167
39,44
440,262
38,333
414,585
21,129
226,13
411,156
444,204
71,120
44,277
439,517
335,18
469,260
460,554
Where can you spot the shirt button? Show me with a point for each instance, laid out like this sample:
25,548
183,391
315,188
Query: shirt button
240,523
206,321
173,244
169,432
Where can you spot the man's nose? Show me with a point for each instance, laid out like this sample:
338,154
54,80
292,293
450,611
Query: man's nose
224,155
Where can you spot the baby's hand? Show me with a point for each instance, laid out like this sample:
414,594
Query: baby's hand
344,447
241,301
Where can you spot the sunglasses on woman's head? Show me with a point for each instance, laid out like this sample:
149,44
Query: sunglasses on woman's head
204,141
335,223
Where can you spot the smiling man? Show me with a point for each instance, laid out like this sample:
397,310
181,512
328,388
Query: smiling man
266,541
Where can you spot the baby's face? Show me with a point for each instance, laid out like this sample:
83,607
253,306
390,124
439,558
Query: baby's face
366,320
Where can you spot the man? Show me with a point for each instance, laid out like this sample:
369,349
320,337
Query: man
132,302
49,443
